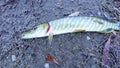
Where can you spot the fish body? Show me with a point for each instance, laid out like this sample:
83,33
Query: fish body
72,24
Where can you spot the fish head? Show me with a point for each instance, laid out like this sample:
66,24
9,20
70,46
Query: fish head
39,31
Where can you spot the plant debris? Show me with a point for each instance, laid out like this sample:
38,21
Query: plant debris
106,50
51,59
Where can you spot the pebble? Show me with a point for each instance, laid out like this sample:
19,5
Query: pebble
46,65
13,58
88,38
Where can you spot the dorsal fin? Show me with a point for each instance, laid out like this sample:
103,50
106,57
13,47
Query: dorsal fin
104,18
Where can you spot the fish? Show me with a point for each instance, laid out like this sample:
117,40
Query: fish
70,25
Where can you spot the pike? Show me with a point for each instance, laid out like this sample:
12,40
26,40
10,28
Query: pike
72,24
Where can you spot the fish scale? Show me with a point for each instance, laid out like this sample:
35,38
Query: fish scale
90,25
72,24
85,22
87,26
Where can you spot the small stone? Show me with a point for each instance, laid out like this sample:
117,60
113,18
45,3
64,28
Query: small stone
88,38
13,58
99,13
46,65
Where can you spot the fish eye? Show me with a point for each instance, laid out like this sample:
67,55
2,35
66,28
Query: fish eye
34,28
23,35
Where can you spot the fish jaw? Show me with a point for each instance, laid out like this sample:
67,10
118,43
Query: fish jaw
34,34
40,31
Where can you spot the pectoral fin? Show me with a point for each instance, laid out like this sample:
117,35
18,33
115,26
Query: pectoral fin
50,38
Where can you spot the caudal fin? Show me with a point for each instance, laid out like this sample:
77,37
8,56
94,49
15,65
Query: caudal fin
118,25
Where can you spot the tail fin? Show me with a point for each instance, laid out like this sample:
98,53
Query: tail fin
118,25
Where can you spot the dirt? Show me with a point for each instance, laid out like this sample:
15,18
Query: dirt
70,50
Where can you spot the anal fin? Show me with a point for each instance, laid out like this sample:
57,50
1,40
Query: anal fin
109,30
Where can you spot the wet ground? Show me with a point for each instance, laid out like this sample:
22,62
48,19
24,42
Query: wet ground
74,50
